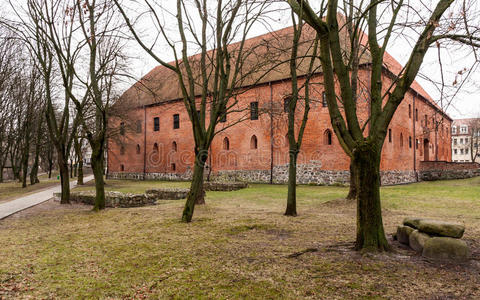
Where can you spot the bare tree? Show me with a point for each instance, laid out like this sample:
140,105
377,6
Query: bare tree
210,80
292,101
362,144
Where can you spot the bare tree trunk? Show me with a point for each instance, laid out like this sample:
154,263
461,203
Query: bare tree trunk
370,232
97,168
24,163
64,178
34,172
80,173
196,194
292,184
352,193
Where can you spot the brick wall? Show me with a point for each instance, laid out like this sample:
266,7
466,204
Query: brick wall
417,132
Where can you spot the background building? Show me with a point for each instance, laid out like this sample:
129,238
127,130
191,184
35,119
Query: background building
466,140
155,139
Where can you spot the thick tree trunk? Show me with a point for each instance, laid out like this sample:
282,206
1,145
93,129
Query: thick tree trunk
64,179
196,194
352,193
292,185
370,232
80,173
97,168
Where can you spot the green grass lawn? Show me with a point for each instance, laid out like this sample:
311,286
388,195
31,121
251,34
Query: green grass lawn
238,246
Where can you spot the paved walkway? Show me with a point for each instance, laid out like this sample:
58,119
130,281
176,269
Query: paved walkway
14,206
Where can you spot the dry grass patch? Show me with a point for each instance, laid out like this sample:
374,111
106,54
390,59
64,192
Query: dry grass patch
238,246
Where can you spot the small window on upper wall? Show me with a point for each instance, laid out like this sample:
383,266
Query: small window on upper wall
389,135
327,137
454,129
122,150
139,126
410,111
401,139
410,142
174,146
226,144
156,124
324,99
426,120
176,121
253,142
122,128
138,149
416,115
253,110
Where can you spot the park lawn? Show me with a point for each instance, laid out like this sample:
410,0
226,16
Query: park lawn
13,189
238,246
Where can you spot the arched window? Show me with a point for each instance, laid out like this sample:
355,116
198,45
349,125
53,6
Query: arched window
226,144
401,139
122,150
138,149
253,142
122,168
174,167
327,137
155,147
174,146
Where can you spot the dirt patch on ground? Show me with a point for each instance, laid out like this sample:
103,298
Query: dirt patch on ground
46,208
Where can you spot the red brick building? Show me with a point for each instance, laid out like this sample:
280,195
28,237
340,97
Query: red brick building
156,141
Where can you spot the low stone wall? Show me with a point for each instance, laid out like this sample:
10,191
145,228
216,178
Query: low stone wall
443,170
113,199
224,186
151,176
168,194
306,174
118,199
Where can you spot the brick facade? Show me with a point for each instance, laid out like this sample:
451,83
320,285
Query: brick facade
257,150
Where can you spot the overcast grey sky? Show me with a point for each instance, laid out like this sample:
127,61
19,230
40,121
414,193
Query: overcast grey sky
465,104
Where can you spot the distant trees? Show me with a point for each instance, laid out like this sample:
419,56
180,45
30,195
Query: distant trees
77,48
21,110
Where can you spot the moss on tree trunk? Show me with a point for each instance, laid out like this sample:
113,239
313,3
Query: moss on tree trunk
370,232
292,185
64,181
97,168
196,194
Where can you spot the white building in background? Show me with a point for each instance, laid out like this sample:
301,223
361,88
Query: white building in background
466,140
